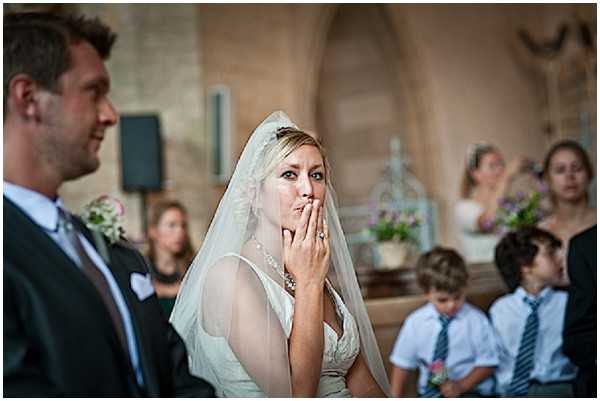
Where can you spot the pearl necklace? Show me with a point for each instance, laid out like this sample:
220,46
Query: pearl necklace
288,280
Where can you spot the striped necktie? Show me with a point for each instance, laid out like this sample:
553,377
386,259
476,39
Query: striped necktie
439,353
525,358
65,226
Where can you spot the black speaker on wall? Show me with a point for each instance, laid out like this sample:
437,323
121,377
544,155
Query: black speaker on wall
141,153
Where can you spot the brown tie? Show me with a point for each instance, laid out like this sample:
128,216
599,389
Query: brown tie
93,273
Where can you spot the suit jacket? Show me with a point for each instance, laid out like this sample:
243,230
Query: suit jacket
59,339
579,334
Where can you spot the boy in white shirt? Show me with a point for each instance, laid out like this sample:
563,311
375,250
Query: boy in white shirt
529,321
450,341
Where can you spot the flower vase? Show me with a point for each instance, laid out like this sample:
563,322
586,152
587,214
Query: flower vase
394,255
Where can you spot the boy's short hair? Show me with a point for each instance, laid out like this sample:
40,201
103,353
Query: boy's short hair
517,249
442,269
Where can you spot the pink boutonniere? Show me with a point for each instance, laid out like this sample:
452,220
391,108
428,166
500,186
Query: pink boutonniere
438,373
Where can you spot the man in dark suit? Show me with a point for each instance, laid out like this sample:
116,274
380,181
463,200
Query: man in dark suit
75,324
579,334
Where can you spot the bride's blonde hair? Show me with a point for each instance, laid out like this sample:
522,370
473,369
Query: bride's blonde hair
288,140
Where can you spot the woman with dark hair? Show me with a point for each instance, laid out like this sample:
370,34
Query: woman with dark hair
568,173
485,181
170,251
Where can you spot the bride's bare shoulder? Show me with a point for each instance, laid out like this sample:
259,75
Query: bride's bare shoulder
229,267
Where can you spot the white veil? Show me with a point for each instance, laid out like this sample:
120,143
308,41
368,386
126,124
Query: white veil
224,311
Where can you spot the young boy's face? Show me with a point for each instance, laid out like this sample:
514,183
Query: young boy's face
446,303
547,266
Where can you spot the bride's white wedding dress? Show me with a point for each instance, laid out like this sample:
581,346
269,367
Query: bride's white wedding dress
235,315
338,356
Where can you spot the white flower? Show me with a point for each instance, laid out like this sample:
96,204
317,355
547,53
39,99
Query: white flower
104,215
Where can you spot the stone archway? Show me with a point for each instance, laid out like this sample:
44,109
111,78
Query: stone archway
404,94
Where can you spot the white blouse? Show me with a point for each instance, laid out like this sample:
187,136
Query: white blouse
475,246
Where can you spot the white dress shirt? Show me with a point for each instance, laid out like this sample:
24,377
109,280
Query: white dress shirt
44,213
509,314
471,343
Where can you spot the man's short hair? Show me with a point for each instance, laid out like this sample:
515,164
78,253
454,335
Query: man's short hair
37,44
442,269
517,249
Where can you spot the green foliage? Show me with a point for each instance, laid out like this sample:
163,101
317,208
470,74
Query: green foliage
519,210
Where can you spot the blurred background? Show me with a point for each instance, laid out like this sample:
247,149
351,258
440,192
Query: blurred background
436,77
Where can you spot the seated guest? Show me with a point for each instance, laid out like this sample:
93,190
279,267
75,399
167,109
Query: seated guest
529,321
447,333
485,181
568,172
579,334
170,252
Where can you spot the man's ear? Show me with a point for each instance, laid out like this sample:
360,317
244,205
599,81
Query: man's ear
23,97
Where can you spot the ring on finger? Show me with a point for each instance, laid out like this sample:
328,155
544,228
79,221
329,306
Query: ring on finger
321,235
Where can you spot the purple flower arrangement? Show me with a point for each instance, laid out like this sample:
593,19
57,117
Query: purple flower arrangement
519,210
388,224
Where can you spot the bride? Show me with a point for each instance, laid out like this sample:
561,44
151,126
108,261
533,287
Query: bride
270,306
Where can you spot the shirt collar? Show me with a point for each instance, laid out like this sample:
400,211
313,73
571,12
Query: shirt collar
432,313
42,210
542,296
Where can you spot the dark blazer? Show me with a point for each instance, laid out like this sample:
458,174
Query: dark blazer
58,336
579,334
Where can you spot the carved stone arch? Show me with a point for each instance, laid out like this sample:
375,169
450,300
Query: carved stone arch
410,83
319,26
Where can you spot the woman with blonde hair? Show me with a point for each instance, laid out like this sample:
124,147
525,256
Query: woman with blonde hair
485,181
270,306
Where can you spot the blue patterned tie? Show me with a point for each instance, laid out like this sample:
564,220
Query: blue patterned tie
439,353
524,363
